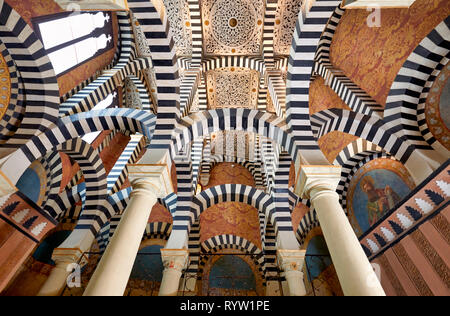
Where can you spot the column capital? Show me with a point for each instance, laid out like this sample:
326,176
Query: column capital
177,259
68,256
151,177
291,260
317,178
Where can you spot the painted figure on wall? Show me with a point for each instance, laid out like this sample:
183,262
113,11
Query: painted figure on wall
374,190
380,200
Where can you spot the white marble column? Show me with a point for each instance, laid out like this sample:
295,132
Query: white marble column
174,261
291,262
65,259
113,271
355,273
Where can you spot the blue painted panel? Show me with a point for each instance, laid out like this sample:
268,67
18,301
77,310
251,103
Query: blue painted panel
317,264
231,272
148,265
30,184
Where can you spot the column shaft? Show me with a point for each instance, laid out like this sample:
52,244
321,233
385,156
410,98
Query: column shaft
355,273
112,273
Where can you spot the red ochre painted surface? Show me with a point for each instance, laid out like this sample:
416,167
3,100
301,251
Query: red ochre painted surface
297,214
29,9
322,97
372,56
333,143
160,214
231,218
224,173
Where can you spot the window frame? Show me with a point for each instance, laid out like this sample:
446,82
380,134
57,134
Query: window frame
107,29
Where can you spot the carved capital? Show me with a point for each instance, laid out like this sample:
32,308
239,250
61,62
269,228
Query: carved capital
313,179
291,260
63,256
150,177
177,259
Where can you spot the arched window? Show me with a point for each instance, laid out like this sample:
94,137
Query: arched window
72,38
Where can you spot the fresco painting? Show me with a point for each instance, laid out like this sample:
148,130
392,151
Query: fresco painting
374,190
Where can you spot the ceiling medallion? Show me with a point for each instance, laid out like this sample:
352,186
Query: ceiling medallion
233,26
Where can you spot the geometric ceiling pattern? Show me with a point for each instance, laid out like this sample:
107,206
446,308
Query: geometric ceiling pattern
178,16
232,88
232,27
285,18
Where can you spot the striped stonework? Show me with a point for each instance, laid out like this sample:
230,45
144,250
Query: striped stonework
197,35
40,87
217,243
268,35
189,85
265,124
308,30
405,104
119,173
161,44
369,128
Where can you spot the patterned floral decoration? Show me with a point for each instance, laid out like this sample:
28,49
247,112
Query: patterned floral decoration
424,202
26,216
435,104
232,88
233,27
286,17
5,86
178,15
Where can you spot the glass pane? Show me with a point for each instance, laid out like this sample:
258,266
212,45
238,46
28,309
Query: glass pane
86,49
63,59
55,32
81,24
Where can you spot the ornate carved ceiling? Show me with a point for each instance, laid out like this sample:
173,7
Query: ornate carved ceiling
179,20
232,88
285,19
232,27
